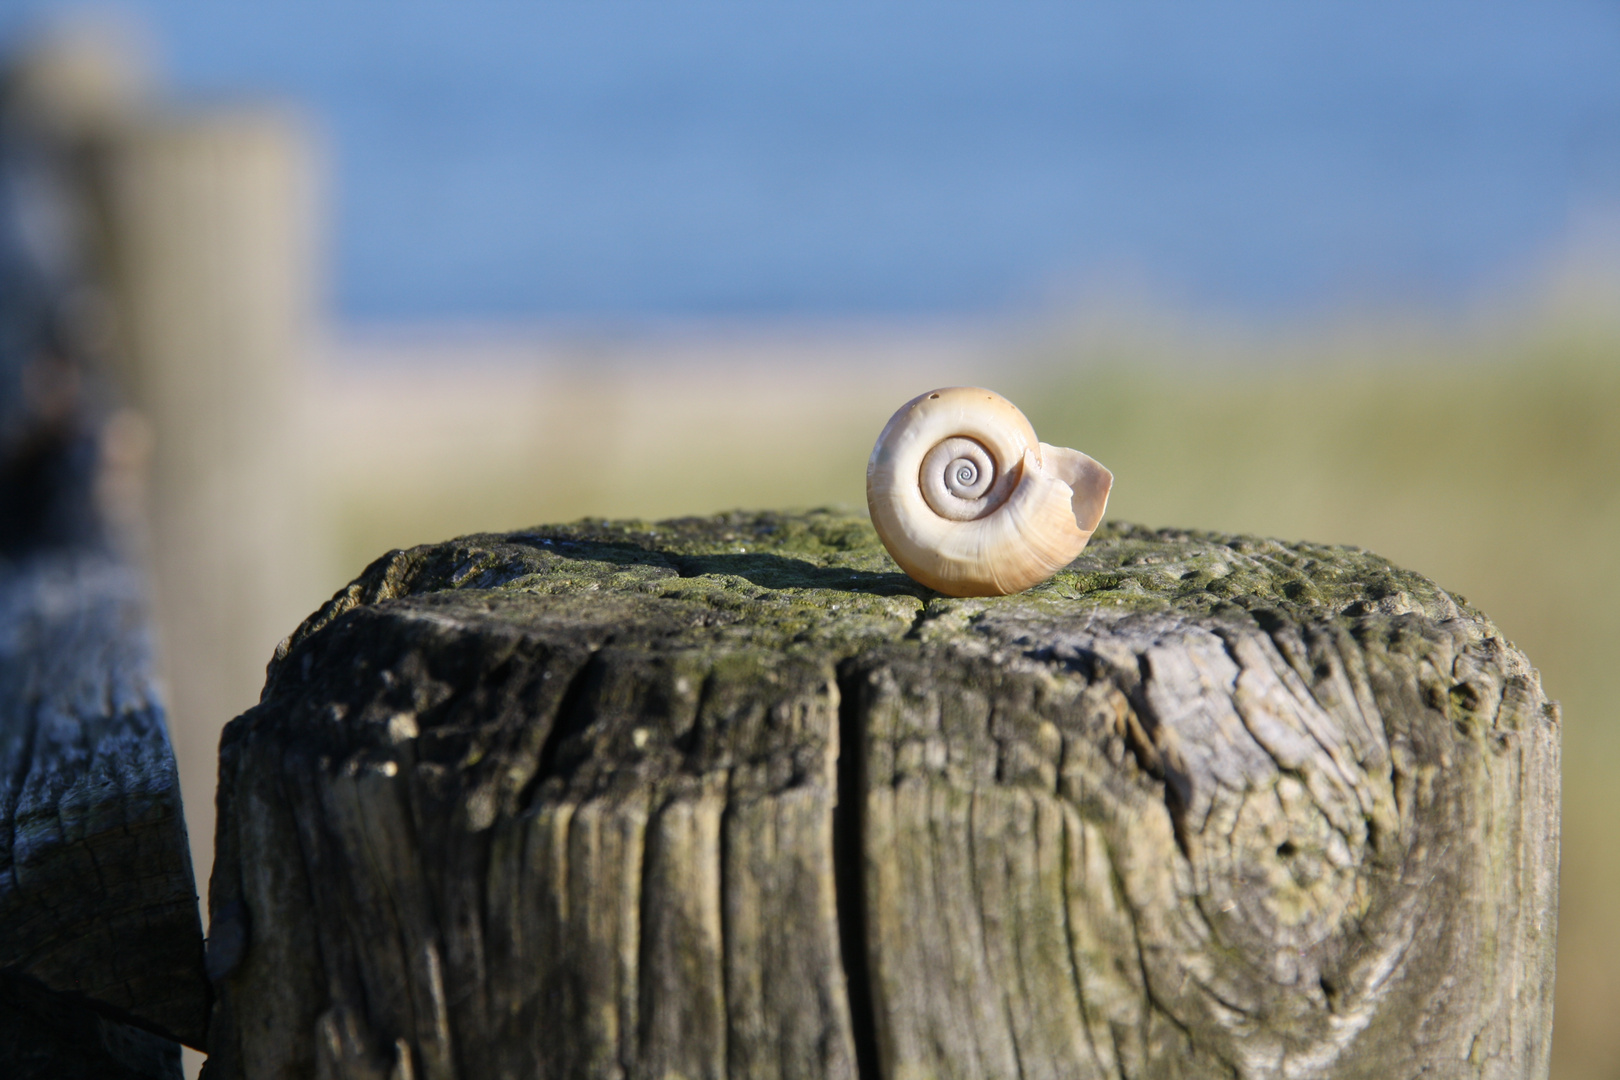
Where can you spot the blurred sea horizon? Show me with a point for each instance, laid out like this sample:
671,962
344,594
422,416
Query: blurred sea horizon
612,163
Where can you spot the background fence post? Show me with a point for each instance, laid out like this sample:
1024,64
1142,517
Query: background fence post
210,218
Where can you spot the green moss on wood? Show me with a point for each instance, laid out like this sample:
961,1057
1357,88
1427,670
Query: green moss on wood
823,578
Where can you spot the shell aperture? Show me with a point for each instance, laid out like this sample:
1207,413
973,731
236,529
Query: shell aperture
970,503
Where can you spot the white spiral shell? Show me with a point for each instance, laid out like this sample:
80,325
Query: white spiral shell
970,503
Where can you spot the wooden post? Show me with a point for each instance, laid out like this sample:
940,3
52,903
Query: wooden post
100,937
731,797
99,928
210,223
197,228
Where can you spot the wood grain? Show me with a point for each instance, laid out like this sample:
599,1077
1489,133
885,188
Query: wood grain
96,893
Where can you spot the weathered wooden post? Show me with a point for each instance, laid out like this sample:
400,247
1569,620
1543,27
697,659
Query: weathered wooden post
100,941
193,231
730,797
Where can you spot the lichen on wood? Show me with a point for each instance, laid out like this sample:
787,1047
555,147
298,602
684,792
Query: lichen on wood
732,797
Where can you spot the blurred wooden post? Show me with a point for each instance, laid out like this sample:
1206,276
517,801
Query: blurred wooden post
101,960
210,218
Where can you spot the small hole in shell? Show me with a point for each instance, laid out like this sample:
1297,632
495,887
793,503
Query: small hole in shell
1286,849
933,397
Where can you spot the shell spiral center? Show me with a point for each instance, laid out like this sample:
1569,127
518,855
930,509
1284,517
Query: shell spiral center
958,479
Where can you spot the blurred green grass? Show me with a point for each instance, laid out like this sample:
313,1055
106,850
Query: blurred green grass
1487,460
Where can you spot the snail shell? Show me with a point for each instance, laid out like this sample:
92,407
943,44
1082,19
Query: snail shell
970,503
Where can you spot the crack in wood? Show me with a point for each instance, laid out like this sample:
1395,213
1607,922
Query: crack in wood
849,876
